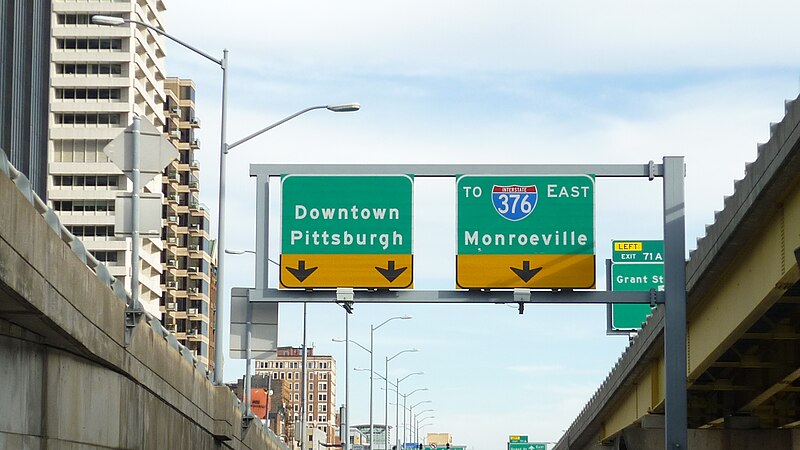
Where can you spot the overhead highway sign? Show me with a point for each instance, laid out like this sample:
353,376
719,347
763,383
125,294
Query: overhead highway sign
346,231
525,231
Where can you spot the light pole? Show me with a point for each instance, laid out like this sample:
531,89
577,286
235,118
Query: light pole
405,424
224,149
223,64
397,409
417,421
372,372
347,341
421,425
372,329
413,417
386,397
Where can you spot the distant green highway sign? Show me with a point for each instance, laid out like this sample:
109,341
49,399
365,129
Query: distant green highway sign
527,446
637,252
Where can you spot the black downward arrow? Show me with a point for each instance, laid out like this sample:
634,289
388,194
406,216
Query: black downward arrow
390,273
301,273
526,273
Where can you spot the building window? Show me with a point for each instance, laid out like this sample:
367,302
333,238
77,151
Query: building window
283,375
323,376
296,386
294,365
86,181
88,93
274,375
83,206
296,398
322,419
106,256
323,386
79,150
311,376
323,365
73,19
323,397
311,397
323,407
91,230
289,376
89,43
296,409
80,118
311,408
89,69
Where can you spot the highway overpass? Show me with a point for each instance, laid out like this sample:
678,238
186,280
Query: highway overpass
743,326
67,378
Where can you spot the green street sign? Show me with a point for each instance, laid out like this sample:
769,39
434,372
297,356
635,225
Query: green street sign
518,438
637,251
525,231
634,277
346,231
527,446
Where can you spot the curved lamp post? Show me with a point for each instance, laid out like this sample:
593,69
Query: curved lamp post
347,341
397,409
407,425
372,329
386,398
224,149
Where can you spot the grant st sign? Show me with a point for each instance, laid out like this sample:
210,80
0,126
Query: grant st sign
525,232
637,265
346,231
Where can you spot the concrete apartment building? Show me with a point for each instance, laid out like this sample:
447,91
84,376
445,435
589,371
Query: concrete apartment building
187,303
100,77
321,389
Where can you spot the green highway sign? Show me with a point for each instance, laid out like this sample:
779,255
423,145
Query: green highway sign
525,231
635,276
637,251
527,446
346,231
518,438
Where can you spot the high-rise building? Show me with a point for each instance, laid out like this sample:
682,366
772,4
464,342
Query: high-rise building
186,303
100,77
24,82
321,389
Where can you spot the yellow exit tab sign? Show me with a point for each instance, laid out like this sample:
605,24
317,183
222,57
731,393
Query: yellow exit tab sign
621,246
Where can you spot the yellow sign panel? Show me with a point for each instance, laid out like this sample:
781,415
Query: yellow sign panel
525,271
622,246
356,271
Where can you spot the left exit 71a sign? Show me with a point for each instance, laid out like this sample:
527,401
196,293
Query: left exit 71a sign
346,231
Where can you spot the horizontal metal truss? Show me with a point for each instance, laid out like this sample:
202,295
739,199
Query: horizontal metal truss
516,296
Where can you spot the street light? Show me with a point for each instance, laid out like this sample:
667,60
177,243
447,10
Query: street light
347,341
224,149
386,397
397,409
372,329
417,421
405,424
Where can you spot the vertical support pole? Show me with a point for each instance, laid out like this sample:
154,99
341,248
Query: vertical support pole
405,424
346,433
262,234
133,312
386,407
371,381
397,415
304,389
675,430
136,141
219,316
249,360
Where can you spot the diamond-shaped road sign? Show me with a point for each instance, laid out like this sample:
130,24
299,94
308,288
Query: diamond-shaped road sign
155,152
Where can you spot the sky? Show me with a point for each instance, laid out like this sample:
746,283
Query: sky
512,82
